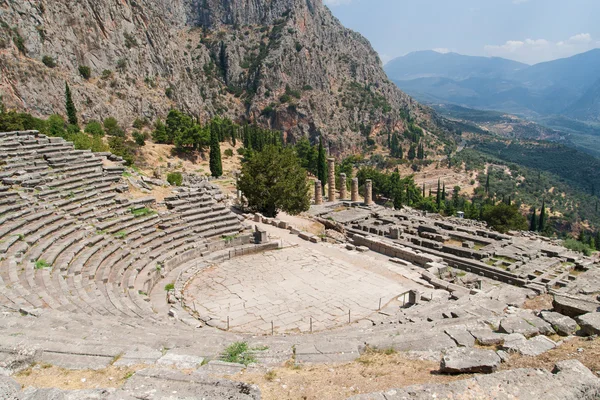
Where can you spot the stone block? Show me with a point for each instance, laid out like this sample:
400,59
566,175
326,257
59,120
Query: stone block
464,360
516,324
573,307
590,323
180,361
563,325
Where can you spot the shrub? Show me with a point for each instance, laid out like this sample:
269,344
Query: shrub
123,149
85,72
578,246
169,287
238,353
139,138
241,151
139,123
307,87
94,128
285,98
19,42
41,264
169,92
130,40
175,178
106,74
228,153
122,64
112,128
49,61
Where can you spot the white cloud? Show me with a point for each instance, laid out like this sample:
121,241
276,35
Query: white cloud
441,50
532,51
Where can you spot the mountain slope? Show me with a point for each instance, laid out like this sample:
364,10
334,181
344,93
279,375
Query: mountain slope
287,64
543,89
422,64
587,108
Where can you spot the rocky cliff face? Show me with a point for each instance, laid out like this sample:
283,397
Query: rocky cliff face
287,64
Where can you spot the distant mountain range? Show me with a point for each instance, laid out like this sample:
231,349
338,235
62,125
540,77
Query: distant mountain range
569,86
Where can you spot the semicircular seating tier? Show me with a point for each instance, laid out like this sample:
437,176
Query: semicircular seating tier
73,238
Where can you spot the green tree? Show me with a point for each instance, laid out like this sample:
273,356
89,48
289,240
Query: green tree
94,128
159,135
273,180
395,149
503,217
533,221
70,106
112,128
322,164
216,167
542,221
56,126
412,152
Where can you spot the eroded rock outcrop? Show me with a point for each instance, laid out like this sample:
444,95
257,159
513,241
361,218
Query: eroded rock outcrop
288,64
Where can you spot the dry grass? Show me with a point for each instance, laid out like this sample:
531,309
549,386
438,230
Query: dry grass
589,356
48,376
539,303
371,372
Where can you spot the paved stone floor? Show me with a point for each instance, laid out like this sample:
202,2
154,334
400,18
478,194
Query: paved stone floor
288,287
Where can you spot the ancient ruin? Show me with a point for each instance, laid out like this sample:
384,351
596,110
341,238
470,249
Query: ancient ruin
172,282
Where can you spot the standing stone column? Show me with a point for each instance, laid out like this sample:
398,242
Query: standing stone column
331,178
343,193
318,193
354,189
369,192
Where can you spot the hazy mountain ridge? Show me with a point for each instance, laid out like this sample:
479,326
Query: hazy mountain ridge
287,64
564,86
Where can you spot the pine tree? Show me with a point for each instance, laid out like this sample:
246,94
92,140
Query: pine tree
70,106
322,165
533,221
542,222
216,167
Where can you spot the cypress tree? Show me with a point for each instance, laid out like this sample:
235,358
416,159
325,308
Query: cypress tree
322,165
423,190
487,184
70,106
216,167
438,199
444,192
542,222
533,221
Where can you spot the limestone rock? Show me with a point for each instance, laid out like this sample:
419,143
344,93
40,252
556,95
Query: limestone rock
461,336
181,361
590,323
9,388
486,337
563,325
147,42
464,361
573,307
570,380
516,324
517,343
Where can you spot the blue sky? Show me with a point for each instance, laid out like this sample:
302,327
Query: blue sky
529,31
